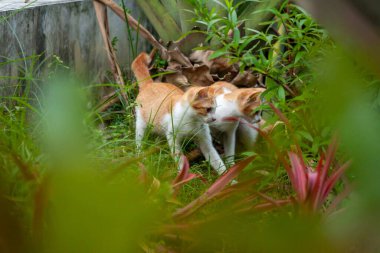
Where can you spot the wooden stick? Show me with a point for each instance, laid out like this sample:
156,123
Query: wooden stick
101,14
135,25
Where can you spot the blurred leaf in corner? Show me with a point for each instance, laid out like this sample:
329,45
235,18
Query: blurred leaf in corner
346,102
12,237
356,25
88,213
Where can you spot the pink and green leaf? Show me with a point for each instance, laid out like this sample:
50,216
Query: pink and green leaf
331,181
216,188
298,176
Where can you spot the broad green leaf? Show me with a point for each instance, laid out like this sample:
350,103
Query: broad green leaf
298,57
161,20
234,18
220,4
306,135
185,14
218,53
281,93
236,37
172,9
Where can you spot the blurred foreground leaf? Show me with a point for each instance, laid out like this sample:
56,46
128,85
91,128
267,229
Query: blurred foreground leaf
87,213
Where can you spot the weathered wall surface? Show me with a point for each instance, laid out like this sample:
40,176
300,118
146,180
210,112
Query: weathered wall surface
69,31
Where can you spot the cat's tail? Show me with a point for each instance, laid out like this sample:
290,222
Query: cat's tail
141,70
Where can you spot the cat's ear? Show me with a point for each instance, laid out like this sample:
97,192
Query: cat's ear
253,96
249,97
202,94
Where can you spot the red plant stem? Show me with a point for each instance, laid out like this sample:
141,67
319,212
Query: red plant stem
267,206
187,179
241,186
41,197
286,87
269,199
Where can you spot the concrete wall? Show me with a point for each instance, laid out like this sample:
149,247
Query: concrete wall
67,30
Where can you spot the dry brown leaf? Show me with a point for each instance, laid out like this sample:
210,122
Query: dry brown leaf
186,44
177,56
177,79
173,74
245,79
226,78
220,65
201,56
220,68
198,75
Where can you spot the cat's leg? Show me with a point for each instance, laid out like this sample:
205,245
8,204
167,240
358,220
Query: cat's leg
208,150
229,143
140,129
174,142
247,134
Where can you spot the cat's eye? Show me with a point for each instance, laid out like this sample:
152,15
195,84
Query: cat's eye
258,113
209,109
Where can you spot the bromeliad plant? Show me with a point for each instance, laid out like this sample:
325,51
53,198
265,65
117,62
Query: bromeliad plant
313,185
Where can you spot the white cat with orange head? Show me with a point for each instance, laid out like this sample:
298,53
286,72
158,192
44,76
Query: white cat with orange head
174,113
235,113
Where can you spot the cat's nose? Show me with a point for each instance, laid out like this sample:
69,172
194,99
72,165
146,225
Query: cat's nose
210,120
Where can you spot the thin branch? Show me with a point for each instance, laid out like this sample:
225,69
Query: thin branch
135,25
283,85
101,14
108,103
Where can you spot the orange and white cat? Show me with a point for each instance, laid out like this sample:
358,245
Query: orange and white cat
174,113
235,115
